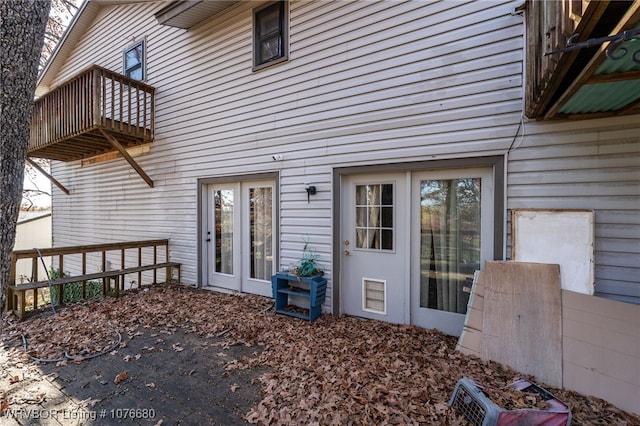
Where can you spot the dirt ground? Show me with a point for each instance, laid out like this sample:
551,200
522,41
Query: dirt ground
174,355
172,378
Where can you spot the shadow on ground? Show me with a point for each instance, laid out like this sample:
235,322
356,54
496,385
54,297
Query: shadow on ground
171,379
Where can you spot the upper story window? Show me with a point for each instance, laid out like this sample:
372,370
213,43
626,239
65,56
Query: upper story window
270,39
133,63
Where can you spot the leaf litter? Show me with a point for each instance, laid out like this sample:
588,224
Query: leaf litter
344,370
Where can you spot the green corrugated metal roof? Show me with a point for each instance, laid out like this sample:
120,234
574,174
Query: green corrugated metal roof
609,96
602,97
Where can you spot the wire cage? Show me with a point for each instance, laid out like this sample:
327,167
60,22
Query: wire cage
473,403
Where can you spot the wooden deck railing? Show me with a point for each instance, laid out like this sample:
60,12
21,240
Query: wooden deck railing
104,262
96,98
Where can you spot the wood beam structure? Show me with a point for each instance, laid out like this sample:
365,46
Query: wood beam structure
47,175
114,142
586,25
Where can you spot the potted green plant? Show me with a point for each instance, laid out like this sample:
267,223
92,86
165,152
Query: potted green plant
305,280
307,266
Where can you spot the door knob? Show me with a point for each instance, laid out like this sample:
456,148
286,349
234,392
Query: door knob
347,252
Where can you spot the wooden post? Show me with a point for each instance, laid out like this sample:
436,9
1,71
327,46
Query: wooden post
113,104
139,264
34,269
105,281
103,96
152,114
61,287
96,75
84,271
34,277
155,260
121,113
167,275
129,108
122,265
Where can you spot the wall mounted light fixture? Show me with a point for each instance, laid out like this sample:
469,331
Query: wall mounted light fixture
311,190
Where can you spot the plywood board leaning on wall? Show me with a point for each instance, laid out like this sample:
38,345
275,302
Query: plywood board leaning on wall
470,341
601,348
522,317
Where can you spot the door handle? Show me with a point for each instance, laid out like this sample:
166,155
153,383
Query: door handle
347,252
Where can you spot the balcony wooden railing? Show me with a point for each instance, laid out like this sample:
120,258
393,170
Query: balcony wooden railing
77,119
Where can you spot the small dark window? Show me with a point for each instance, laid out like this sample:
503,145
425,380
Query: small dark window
270,34
134,61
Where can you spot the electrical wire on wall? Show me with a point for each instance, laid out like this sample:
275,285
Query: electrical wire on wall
515,145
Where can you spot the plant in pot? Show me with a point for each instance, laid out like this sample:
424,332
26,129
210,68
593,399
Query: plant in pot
306,281
308,265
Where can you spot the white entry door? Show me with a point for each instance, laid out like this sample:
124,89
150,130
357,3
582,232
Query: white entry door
374,261
223,236
451,237
241,224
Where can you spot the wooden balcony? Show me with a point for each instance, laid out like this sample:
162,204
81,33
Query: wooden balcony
96,112
584,81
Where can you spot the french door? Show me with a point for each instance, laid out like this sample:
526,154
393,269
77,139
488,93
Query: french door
411,242
240,236
452,236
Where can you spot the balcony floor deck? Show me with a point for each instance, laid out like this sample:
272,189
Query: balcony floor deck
90,143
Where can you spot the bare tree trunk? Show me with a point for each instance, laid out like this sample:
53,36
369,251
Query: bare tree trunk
22,25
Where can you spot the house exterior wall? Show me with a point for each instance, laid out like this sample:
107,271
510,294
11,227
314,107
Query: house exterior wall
366,83
590,164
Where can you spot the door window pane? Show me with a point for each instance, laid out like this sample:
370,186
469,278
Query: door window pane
223,232
387,217
374,216
261,230
449,242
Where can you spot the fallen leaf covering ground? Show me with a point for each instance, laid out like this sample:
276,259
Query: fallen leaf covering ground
331,371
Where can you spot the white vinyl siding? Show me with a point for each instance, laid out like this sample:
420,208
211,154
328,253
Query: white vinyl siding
587,165
367,82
